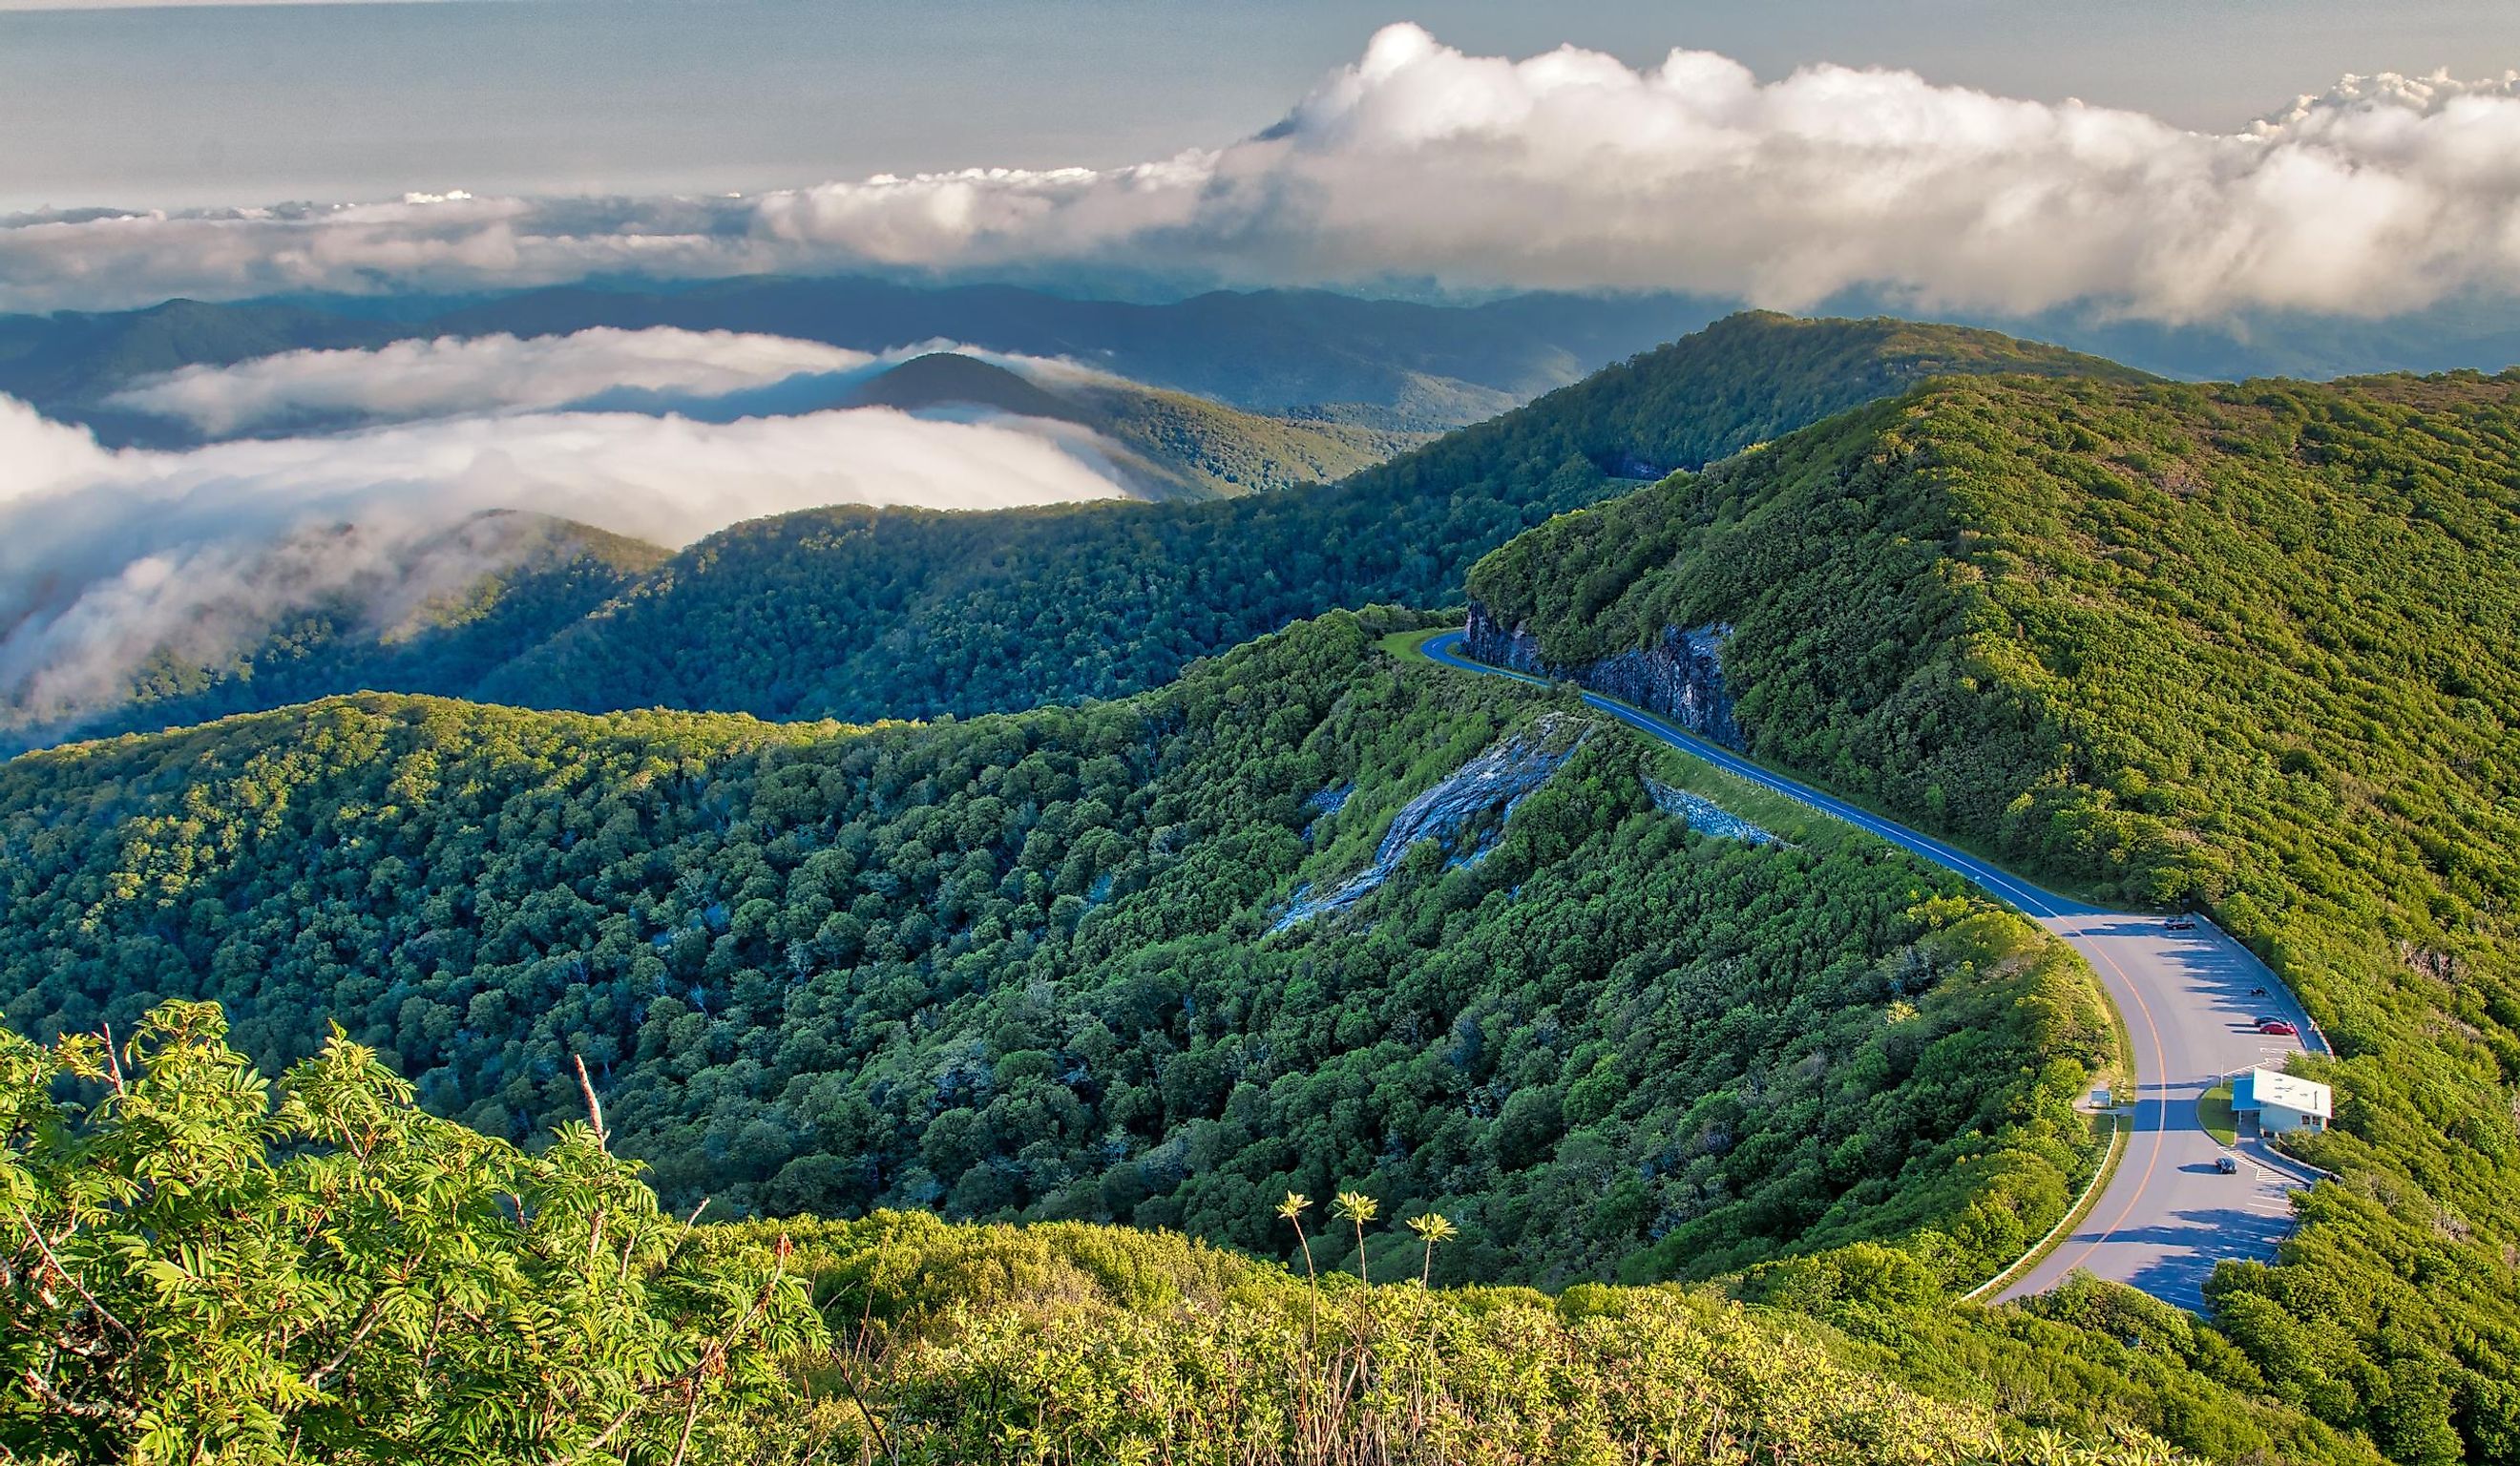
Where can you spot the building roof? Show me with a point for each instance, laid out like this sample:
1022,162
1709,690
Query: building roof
2260,1088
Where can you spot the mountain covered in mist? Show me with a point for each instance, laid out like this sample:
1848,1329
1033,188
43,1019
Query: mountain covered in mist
1169,445
853,613
865,613
1392,364
328,609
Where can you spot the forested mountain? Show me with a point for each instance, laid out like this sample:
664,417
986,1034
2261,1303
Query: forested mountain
432,613
823,969
857,613
1041,966
1172,445
1390,364
861,614
2248,646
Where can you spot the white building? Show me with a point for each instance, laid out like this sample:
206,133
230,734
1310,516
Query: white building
2281,1103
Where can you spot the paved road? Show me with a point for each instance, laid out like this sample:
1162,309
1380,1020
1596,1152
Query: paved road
2189,1000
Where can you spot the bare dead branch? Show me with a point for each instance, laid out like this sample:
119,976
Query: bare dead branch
594,1107
112,1063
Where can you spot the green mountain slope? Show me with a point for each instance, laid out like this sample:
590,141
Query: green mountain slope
858,613
1171,444
2244,644
432,614
926,945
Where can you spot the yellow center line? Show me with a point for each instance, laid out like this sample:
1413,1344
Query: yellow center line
2161,1063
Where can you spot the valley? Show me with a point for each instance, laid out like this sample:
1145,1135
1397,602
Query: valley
1088,875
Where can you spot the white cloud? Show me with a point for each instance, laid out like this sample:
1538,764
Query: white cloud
106,557
1565,169
450,375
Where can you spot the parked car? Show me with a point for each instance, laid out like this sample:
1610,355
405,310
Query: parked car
2276,1026
2228,1165
2180,923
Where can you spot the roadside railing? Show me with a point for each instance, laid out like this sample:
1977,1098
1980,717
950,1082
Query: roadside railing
2120,1129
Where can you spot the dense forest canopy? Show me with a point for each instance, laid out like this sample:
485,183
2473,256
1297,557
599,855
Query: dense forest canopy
2249,645
1025,966
821,968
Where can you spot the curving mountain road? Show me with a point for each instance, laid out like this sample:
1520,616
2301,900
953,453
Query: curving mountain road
2189,998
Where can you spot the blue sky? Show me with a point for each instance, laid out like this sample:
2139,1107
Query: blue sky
177,107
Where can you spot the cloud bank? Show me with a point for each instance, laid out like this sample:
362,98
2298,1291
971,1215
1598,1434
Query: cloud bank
109,558
1567,169
454,375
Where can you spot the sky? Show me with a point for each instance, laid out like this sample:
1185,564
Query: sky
223,104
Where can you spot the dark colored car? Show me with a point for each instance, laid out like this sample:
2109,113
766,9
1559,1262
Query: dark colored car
2228,1165
2276,1026
2180,923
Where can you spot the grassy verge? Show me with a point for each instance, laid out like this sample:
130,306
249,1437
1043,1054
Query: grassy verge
2213,1112
1410,646
2115,1138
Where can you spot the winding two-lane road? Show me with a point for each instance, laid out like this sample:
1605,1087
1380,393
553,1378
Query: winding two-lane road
2189,998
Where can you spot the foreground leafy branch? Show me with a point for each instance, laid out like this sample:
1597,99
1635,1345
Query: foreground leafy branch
202,1267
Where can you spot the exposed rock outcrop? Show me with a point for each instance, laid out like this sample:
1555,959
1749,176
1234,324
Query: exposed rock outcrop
1679,677
1706,817
1465,814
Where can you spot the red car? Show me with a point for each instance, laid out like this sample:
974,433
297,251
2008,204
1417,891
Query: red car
2276,1026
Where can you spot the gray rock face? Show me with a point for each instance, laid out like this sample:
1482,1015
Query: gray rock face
1465,814
1706,817
1679,677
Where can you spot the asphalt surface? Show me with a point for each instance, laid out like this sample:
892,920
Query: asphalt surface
2190,1001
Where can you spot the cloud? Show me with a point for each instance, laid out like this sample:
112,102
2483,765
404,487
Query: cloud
714,375
1565,169
108,558
452,376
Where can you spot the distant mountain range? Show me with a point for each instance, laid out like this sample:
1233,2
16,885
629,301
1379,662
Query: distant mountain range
1380,362
1392,363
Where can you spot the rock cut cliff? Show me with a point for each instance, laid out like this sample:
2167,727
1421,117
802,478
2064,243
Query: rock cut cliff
1679,675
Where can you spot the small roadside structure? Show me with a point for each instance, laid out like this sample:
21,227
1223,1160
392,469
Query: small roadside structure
2281,1103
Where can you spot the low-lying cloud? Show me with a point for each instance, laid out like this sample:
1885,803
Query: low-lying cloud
456,376
1567,169
108,558
657,370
